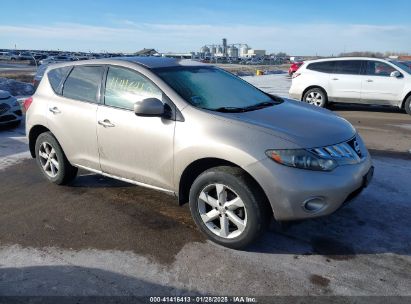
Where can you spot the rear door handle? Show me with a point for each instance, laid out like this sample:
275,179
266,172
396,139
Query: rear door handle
54,110
370,80
106,123
335,79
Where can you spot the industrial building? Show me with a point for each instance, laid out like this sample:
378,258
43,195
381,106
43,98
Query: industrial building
233,50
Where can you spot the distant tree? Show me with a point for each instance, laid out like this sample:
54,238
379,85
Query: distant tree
281,54
362,54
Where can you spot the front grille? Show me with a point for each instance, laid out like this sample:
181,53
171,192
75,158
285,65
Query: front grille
18,112
355,145
349,150
4,107
7,118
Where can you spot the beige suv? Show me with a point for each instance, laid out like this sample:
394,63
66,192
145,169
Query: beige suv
237,154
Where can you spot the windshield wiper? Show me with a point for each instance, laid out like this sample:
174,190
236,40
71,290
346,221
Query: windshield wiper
246,109
260,105
229,109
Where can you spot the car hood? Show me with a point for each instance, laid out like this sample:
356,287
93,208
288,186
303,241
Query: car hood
305,125
4,94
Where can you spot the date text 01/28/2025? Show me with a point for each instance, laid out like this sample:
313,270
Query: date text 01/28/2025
203,299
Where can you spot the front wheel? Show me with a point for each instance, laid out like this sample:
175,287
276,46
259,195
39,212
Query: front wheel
52,161
316,97
228,207
407,105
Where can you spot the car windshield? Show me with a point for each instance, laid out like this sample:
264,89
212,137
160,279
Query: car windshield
402,66
214,89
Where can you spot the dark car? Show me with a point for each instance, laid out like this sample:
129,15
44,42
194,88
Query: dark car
39,75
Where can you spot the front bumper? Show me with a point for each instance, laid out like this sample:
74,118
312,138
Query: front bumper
13,115
289,189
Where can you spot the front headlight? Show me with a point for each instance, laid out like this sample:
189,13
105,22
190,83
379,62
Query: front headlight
15,103
301,159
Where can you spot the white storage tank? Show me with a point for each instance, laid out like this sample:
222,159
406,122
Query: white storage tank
233,52
244,51
205,50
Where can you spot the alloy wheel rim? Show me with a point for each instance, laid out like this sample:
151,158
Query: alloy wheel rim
314,98
48,159
222,211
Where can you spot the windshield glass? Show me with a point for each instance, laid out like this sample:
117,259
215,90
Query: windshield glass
402,66
214,89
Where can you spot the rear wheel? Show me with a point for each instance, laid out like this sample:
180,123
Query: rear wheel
228,207
52,161
407,105
316,97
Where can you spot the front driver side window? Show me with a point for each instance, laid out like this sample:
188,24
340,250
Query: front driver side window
377,68
125,87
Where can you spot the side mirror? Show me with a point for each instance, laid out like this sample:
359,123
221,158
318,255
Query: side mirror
395,74
149,107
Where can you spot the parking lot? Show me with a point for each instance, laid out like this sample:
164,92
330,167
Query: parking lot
99,236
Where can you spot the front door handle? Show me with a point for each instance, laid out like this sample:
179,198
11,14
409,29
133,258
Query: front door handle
54,110
335,79
370,80
106,123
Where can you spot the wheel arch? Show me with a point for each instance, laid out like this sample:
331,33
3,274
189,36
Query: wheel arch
193,170
34,133
314,87
405,99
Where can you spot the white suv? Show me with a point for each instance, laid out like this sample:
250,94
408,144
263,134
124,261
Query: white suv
353,80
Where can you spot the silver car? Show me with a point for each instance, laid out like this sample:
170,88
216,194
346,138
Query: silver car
239,156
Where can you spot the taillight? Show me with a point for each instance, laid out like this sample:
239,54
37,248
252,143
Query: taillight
295,75
27,103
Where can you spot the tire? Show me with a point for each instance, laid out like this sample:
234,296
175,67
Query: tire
53,164
252,218
407,105
316,97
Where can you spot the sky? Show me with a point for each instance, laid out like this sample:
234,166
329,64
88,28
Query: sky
296,27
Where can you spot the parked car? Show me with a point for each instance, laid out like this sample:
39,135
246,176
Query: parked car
353,80
5,56
56,59
407,63
10,110
25,56
39,75
255,60
14,55
239,156
39,57
294,67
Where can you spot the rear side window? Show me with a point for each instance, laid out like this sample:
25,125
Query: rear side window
351,67
55,76
324,66
83,83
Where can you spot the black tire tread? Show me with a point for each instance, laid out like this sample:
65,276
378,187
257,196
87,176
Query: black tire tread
317,90
260,204
407,105
67,172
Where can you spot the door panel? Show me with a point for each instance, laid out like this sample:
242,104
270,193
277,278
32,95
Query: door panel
345,82
134,147
74,125
378,87
72,117
345,88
